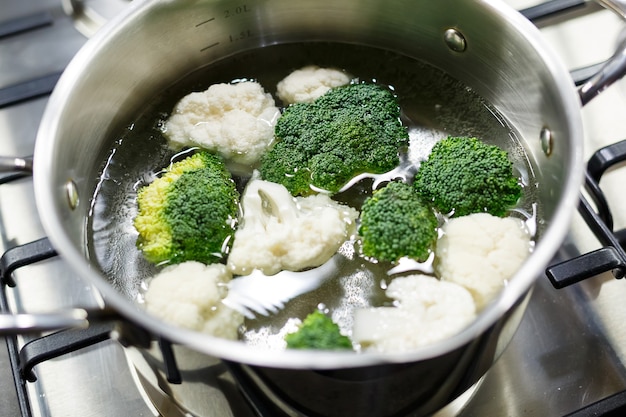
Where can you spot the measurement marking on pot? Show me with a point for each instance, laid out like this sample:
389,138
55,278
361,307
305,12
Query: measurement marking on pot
236,10
205,22
244,34
209,47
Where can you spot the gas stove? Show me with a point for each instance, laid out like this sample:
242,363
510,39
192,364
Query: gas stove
567,358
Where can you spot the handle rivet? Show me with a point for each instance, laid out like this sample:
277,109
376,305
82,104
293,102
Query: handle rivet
547,141
71,192
455,40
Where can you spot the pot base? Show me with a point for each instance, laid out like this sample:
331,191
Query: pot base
218,388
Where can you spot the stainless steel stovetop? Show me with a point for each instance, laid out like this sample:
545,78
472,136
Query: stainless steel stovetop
569,352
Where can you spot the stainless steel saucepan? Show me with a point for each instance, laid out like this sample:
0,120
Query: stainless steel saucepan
486,45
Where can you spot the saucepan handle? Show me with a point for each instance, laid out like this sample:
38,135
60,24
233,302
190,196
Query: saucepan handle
612,257
614,68
14,258
34,323
75,329
124,330
16,164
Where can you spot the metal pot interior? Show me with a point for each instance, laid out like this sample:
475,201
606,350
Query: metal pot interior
494,51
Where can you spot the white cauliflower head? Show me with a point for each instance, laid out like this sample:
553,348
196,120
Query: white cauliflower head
235,120
190,295
308,83
481,252
426,310
280,232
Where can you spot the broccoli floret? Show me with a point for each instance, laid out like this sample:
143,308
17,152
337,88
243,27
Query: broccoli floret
349,130
396,223
465,175
318,331
188,213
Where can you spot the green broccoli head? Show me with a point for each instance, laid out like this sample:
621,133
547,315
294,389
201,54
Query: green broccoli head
287,165
188,213
348,131
395,222
318,331
465,175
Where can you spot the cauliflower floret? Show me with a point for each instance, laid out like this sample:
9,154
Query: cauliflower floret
190,295
426,310
235,120
280,232
308,83
480,252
